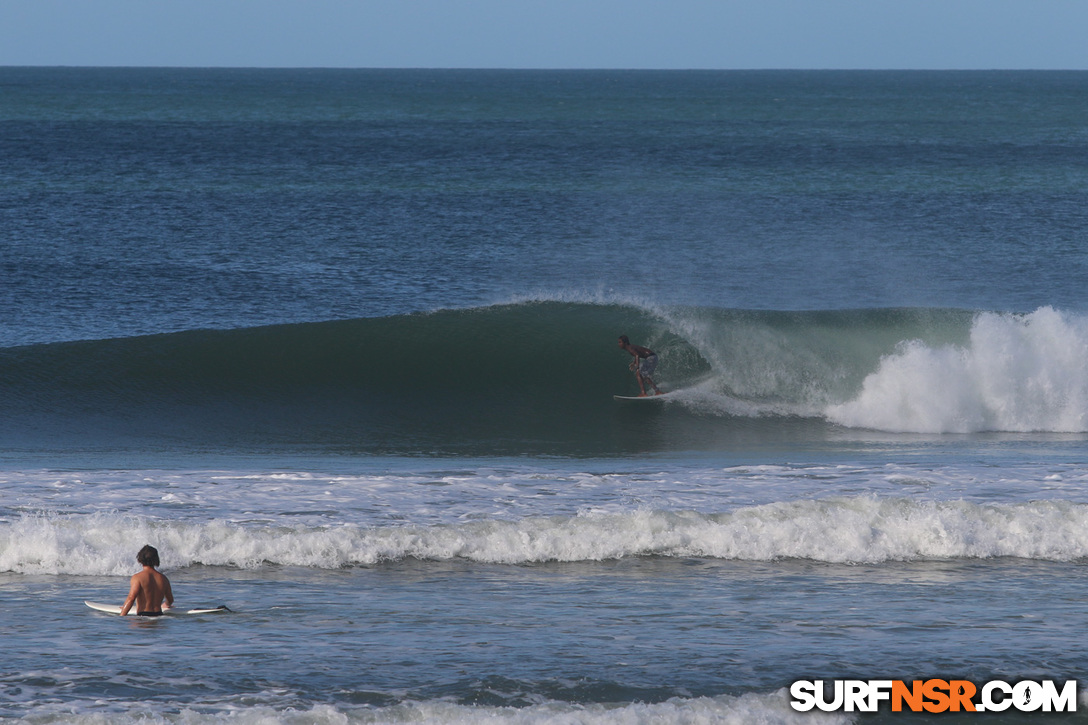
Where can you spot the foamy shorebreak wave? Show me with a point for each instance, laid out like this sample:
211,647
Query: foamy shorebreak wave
751,709
862,529
1018,373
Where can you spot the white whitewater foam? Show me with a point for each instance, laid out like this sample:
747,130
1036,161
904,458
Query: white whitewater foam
839,530
749,709
1018,373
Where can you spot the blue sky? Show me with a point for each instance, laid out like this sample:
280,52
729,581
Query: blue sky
925,34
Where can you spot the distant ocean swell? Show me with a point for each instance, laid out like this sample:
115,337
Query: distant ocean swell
539,377
835,530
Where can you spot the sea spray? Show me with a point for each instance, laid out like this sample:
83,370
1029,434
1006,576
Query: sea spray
1017,373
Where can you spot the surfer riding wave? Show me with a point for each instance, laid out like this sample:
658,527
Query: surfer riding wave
643,365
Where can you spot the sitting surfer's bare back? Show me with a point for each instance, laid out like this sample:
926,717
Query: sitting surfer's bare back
149,588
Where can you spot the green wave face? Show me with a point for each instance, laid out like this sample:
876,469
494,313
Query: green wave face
533,378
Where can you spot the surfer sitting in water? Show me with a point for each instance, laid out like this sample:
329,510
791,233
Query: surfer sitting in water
149,587
644,363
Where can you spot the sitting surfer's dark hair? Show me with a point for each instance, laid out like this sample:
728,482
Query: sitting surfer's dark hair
148,556
624,340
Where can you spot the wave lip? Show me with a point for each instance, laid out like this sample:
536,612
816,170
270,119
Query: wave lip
834,530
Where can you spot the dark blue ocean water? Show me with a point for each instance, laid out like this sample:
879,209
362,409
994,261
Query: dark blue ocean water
342,345
142,201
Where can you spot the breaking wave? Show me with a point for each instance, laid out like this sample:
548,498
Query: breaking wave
834,530
538,377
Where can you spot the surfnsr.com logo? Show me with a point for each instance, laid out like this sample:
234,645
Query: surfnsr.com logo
933,696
